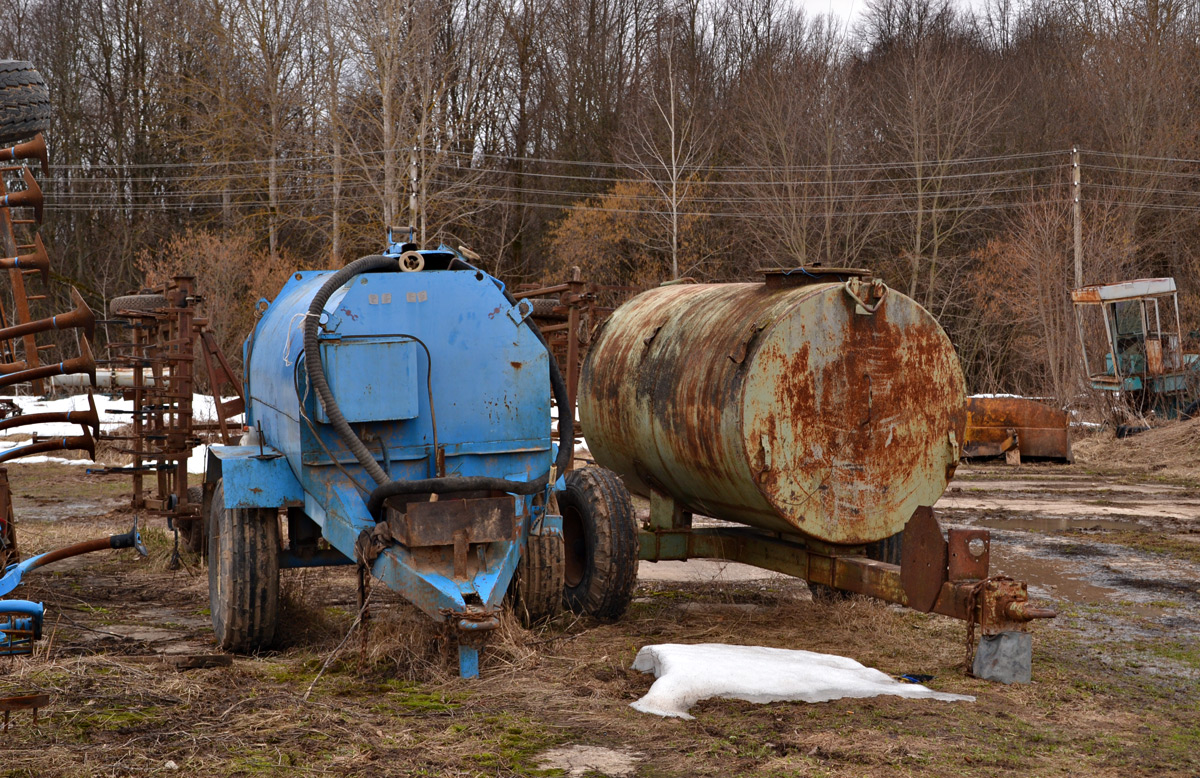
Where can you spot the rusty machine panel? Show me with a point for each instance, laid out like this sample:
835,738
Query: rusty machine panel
1016,427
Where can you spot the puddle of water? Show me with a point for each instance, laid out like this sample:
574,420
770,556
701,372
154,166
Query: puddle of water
1054,523
1051,576
1072,486
1187,510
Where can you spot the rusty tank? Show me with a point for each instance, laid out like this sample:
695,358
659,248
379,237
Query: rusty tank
817,402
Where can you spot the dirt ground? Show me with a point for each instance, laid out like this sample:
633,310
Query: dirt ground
1113,542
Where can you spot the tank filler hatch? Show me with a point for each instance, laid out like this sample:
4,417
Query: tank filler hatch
777,277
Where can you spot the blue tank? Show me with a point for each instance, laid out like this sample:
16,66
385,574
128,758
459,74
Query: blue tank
446,387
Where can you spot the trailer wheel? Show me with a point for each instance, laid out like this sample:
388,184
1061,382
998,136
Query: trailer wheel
137,304
243,574
887,550
601,542
24,101
538,586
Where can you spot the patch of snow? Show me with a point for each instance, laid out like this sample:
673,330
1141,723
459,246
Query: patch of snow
113,412
689,673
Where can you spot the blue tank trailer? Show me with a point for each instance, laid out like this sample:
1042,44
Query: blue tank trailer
400,416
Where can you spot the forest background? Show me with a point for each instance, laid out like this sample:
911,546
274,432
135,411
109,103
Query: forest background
639,140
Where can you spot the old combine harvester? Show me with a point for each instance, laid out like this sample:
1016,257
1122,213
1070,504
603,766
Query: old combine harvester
402,412
822,413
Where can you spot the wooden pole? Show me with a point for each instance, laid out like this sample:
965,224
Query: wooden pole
1078,213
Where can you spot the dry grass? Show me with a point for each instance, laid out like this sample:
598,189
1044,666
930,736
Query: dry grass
1171,450
325,701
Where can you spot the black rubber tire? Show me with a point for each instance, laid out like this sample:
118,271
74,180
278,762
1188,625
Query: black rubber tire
538,585
1191,411
24,102
887,550
601,542
243,574
137,303
192,535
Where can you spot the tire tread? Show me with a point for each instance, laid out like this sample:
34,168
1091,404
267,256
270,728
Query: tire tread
244,564
24,102
607,587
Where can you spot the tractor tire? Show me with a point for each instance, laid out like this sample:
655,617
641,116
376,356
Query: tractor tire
543,308
601,542
24,102
243,574
192,535
136,304
538,586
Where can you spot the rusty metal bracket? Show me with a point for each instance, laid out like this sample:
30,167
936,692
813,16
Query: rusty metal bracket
877,290
970,554
923,559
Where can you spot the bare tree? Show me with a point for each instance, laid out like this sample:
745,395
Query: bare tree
670,145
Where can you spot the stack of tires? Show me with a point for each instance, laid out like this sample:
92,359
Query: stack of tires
24,102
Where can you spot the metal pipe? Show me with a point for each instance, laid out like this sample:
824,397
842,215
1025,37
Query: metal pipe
81,317
86,418
84,363
83,442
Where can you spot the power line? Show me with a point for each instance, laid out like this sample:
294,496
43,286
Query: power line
474,155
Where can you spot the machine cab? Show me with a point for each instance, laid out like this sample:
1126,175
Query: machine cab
1132,340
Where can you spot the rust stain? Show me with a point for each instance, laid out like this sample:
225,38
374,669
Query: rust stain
350,313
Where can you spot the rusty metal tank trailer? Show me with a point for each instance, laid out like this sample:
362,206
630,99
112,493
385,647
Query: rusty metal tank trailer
821,411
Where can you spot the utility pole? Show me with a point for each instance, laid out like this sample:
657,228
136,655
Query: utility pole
1079,220
412,189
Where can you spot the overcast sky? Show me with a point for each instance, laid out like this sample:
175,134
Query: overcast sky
851,10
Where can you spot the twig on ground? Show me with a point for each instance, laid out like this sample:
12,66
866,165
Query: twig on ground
333,654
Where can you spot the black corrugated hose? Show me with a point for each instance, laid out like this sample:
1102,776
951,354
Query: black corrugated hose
444,485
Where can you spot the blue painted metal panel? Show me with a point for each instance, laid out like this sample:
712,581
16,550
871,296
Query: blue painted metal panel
372,379
490,378
254,478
